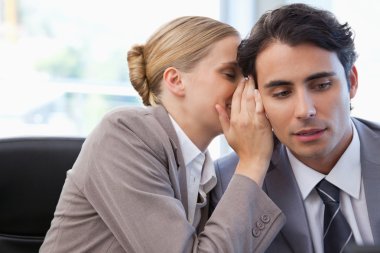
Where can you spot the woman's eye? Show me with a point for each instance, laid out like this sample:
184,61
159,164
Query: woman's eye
230,75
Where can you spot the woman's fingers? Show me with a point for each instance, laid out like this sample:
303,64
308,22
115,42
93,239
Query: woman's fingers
259,107
248,131
236,98
250,101
223,118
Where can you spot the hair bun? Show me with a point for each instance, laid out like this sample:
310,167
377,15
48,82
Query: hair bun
137,72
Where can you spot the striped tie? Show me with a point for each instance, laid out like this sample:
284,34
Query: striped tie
336,232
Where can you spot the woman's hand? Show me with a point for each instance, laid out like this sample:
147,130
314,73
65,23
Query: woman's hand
248,131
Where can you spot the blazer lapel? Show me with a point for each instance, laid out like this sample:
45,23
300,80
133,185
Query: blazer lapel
370,162
282,188
162,116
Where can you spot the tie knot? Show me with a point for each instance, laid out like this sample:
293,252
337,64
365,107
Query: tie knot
328,192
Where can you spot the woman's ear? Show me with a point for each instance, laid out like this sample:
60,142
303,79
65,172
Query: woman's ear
173,81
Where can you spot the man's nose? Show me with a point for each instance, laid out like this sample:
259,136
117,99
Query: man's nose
305,107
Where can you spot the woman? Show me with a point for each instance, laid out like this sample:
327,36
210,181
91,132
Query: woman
141,181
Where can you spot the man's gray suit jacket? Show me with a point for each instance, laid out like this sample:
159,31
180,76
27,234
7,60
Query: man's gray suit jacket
127,193
281,186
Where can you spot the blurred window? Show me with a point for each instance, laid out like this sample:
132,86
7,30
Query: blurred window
63,63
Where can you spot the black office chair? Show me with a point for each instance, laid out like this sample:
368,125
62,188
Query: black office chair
32,173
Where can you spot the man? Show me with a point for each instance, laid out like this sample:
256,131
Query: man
302,60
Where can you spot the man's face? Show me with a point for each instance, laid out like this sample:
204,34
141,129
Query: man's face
307,100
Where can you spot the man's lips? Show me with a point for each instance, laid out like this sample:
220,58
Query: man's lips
308,132
308,135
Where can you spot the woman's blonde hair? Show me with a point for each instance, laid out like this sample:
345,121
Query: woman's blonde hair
181,43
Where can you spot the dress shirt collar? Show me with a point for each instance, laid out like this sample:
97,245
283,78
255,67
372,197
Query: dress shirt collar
208,180
191,152
346,174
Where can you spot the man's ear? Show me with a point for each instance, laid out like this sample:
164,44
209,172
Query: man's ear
353,81
173,81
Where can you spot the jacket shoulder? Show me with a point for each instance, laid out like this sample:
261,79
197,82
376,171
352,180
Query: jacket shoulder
366,124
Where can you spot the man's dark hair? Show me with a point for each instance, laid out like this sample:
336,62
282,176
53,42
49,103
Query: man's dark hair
295,24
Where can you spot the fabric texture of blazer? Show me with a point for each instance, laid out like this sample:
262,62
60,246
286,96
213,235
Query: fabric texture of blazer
127,193
281,186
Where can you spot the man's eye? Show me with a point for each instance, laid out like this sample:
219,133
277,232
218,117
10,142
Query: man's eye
282,94
323,86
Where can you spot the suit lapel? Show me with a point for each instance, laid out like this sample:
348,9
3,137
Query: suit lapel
370,162
282,188
162,116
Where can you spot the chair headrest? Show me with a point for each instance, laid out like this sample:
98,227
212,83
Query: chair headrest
32,173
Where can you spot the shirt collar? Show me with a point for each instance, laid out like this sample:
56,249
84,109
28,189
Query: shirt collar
191,153
346,174
208,180
189,150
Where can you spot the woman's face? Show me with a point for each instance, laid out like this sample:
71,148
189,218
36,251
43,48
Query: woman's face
212,81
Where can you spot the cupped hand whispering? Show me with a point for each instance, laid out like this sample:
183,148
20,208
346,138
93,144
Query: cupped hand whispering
248,130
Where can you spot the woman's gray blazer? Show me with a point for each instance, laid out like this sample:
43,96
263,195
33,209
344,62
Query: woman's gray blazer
127,193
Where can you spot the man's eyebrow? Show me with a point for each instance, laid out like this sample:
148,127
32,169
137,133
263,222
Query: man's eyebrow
277,83
319,75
